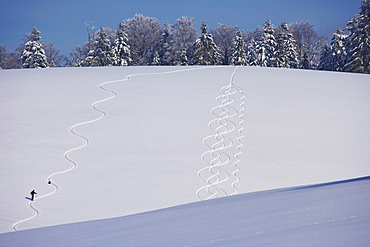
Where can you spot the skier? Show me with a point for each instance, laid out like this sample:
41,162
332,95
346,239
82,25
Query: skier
33,195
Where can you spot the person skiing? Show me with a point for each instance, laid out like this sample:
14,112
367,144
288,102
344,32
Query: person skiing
33,192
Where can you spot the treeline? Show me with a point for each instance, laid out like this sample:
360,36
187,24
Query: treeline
142,40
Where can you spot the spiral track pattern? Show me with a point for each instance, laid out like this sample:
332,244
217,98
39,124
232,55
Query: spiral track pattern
224,145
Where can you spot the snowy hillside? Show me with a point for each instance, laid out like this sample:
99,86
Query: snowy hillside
322,215
121,141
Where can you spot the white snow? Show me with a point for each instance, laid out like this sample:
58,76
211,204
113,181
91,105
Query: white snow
322,215
301,128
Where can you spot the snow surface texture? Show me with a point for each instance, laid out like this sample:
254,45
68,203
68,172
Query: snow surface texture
335,214
138,148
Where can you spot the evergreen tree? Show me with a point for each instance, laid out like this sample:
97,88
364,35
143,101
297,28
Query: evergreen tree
338,51
358,42
122,49
184,59
325,59
305,62
101,54
252,52
205,48
239,57
286,49
266,52
156,59
33,55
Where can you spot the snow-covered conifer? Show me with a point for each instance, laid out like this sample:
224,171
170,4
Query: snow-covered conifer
338,51
305,62
358,42
206,52
266,56
239,57
252,52
156,59
183,58
325,59
122,49
33,55
101,54
286,49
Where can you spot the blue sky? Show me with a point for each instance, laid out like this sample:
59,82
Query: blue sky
62,21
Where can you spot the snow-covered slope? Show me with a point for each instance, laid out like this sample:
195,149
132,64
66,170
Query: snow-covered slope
140,149
335,214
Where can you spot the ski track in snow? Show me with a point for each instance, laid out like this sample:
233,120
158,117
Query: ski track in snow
222,143
86,141
239,140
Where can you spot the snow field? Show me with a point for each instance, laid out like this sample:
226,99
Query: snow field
301,127
334,214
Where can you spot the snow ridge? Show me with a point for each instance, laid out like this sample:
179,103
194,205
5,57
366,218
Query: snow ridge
222,152
86,141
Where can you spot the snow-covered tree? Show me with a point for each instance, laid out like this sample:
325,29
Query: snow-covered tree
183,35
91,35
102,53
2,56
252,52
325,59
286,49
183,59
206,51
239,56
121,48
164,45
224,37
266,49
305,62
338,51
145,35
358,42
33,55
156,59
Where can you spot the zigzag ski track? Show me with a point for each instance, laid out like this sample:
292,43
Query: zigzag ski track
73,164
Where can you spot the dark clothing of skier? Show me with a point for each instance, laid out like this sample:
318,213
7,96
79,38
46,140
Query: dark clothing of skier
33,195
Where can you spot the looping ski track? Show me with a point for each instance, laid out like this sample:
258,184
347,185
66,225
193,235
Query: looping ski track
86,141
222,152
